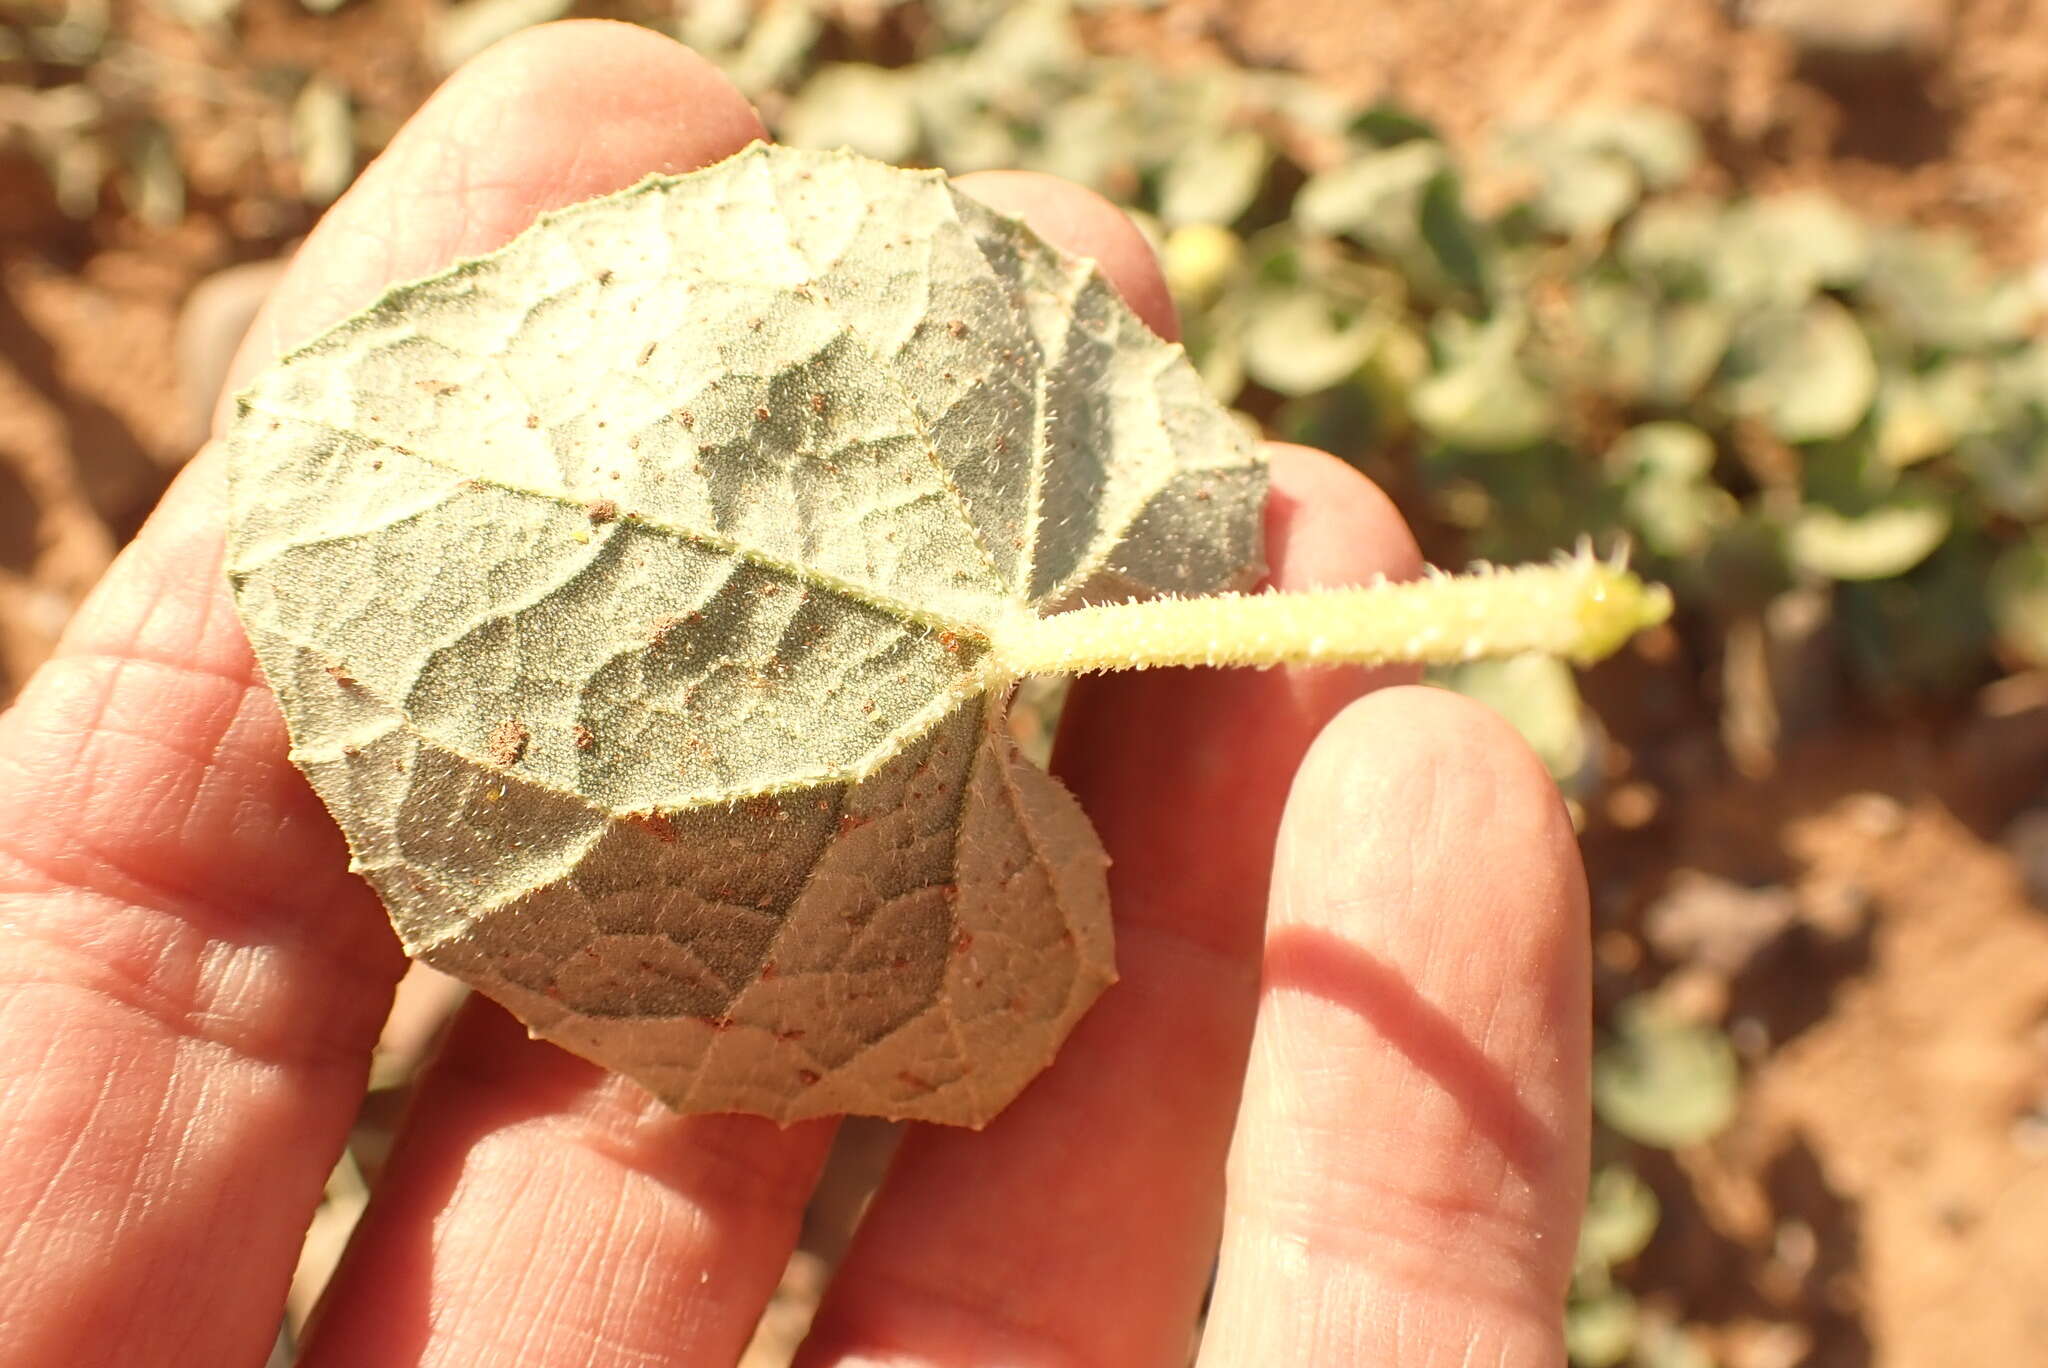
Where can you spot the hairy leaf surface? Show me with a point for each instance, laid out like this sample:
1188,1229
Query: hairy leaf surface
628,594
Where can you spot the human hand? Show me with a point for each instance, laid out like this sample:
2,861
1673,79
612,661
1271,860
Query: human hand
191,982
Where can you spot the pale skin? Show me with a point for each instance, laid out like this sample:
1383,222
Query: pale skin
1349,1045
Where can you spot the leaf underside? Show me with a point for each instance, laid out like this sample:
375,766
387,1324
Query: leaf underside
627,593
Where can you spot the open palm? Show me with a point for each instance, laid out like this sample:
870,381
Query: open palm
1381,1064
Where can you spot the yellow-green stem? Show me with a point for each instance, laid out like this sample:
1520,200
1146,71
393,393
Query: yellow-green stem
1580,608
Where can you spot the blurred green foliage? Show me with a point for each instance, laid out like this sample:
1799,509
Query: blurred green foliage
1762,395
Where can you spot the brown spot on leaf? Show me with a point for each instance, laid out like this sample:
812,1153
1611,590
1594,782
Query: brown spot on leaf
601,511
508,742
655,825
582,734
817,403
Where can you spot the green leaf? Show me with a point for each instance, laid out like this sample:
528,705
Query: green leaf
1783,249
1887,538
1662,452
1648,351
1217,349
1020,51
1386,125
1296,343
202,14
1092,140
1375,197
324,139
1539,695
2009,468
1663,1081
1483,400
1922,414
1404,204
2006,455
156,183
1199,260
1600,1331
715,28
1669,497
1591,169
460,32
1678,244
1934,290
779,38
1926,631
1580,191
1660,144
1452,237
1808,373
854,105
628,593
1214,178
1621,1216
2018,598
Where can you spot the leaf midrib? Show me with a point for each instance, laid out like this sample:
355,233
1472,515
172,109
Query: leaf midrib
808,576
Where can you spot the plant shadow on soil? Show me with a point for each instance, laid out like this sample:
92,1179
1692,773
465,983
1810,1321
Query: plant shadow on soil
1891,111
115,471
1807,1275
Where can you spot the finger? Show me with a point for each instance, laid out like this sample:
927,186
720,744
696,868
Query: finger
190,981
538,1210
1086,224
1083,1221
1407,1176
541,1211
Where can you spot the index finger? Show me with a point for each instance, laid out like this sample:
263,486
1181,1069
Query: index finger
1426,974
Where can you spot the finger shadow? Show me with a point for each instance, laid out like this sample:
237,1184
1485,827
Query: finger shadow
1311,960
